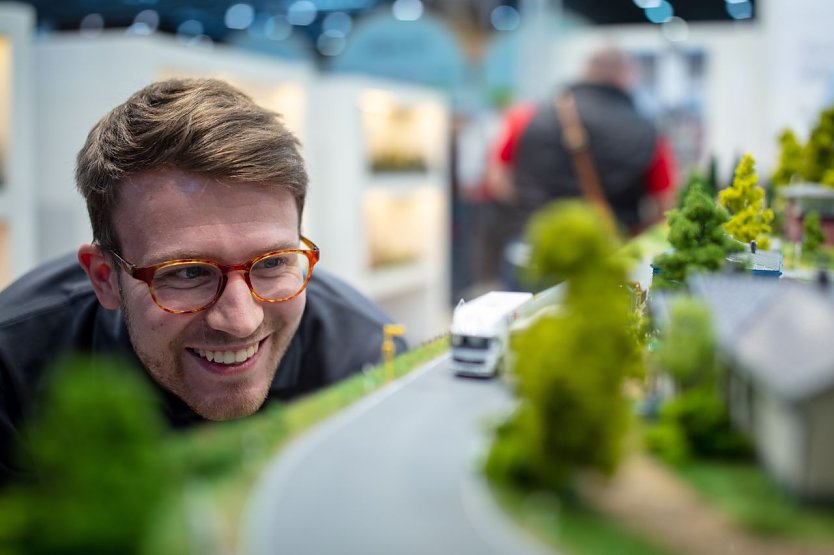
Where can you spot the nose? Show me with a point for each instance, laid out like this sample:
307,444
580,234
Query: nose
236,312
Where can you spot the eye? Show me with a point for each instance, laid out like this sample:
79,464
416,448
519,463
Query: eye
191,272
272,262
183,276
275,264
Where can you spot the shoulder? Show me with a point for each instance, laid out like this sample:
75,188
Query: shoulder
341,331
332,302
51,286
51,312
330,297
47,313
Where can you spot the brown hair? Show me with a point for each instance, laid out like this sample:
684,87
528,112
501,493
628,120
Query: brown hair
202,126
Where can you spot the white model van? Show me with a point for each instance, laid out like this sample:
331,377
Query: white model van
480,331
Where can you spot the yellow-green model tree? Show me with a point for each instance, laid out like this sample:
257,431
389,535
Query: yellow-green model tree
790,160
744,200
571,363
813,161
818,155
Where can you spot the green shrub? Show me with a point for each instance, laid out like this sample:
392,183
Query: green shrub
668,442
703,420
570,365
95,449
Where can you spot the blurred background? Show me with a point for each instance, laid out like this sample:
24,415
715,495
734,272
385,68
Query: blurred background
397,104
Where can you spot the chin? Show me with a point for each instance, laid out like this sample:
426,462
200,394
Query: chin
232,406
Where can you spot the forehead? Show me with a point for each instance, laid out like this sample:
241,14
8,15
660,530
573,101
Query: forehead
166,212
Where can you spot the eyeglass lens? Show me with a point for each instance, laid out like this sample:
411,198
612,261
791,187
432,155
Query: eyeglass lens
193,285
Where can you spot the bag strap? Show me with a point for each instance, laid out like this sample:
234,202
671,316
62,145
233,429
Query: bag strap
575,140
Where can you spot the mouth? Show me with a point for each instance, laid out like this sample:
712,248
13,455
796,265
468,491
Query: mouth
227,362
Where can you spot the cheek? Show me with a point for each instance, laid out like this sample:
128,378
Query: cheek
153,323
288,312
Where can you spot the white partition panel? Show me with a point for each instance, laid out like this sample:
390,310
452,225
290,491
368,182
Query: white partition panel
17,198
379,195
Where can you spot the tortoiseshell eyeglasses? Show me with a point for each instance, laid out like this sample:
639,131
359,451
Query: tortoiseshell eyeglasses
188,286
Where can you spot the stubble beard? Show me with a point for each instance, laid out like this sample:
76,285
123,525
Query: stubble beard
238,398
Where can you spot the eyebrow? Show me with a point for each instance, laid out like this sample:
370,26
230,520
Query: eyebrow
195,255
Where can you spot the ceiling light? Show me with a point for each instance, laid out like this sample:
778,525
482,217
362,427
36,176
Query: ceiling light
407,10
504,18
92,25
302,12
239,16
661,13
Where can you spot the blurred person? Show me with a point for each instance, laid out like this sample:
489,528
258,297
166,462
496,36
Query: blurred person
197,271
634,166
501,156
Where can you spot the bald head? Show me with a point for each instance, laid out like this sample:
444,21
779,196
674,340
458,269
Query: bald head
609,66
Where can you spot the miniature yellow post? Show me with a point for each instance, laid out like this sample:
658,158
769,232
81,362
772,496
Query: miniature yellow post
388,347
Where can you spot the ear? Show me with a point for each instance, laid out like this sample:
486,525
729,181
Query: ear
102,275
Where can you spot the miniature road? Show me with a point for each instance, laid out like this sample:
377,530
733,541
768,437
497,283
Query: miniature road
394,474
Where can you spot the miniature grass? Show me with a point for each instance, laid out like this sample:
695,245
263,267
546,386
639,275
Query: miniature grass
794,259
222,462
572,528
748,496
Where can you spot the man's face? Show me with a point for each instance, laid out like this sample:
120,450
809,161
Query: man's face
167,215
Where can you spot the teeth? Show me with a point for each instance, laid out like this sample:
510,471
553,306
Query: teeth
229,357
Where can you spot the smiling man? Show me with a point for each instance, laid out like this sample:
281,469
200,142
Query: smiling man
197,271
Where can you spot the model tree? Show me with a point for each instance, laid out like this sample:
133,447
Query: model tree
99,470
698,240
790,159
694,179
812,236
818,156
695,421
571,363
687,350
744,200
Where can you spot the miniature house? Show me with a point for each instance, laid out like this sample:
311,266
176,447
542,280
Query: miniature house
775,337
804,198
759,262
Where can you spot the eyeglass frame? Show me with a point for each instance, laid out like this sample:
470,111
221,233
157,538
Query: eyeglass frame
146,273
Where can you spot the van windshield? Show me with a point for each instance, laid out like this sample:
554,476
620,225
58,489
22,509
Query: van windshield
470,342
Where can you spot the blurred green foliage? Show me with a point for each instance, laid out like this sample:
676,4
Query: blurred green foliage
701,415
695,421
744,201
818,154
812,236
570,365
687,350
750,497
812,162
100,472
698,240
790,159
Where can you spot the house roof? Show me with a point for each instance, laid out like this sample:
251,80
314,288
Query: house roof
788,346
778,331
733,299
764,263
807,191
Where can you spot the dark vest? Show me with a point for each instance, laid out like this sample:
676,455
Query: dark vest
622,144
